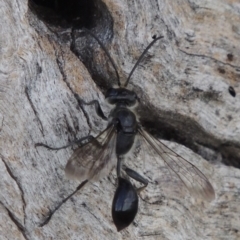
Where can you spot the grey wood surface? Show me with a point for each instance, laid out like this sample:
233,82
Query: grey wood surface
183,85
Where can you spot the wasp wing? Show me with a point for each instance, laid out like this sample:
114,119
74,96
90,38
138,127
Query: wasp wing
95,158
189,175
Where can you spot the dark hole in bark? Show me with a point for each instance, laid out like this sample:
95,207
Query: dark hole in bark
65,13
75,15
230,57
232,91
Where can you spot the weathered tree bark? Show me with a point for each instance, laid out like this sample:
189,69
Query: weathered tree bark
183,84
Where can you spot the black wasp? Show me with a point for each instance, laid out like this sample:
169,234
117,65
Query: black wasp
100,154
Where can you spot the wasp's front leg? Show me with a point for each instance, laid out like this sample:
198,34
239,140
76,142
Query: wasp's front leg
93,102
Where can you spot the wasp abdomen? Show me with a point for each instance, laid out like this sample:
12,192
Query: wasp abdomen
125,204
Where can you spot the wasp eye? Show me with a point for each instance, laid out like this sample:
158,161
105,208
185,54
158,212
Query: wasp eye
111,92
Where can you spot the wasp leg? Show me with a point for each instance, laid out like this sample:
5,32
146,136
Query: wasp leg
136,176
51,212
93,102
76,142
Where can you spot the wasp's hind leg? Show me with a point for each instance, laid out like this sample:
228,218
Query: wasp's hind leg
93,102
76,142
136,176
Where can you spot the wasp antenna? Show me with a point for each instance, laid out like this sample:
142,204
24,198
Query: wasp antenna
140,59
106,51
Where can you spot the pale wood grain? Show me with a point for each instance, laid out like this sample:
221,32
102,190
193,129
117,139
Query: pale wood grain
184,83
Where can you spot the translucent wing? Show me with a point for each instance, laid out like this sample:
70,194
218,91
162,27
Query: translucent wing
189,175
94,159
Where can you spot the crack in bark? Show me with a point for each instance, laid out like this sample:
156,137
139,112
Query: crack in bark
59,63
34,110
69,128
2,124
19,226
214,59
171,34
18,184
50,214
85,207
151,234
157,4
